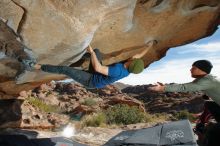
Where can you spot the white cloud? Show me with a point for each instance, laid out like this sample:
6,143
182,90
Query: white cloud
211,47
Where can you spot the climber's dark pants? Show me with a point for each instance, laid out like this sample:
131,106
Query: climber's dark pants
210,107
80,76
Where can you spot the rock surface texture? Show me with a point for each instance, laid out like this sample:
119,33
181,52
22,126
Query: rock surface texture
57,32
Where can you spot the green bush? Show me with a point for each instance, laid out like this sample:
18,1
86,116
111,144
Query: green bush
89,102
184,114
157,117
42,106
94,120
124,114
121,114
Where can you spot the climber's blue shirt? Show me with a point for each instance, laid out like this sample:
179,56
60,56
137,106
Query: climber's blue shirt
115,72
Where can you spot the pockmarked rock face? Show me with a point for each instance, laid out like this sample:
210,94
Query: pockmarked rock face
58,32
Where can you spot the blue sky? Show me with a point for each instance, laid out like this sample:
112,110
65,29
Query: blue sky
175,66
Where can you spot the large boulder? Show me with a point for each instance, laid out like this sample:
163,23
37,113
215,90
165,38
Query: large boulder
57,32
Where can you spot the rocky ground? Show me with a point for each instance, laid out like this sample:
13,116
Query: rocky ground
68,102
68,99
166,102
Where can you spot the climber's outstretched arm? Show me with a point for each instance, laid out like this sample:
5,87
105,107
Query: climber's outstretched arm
98,67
